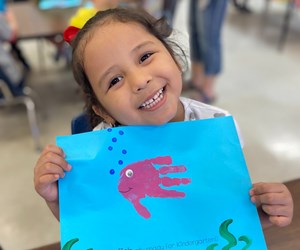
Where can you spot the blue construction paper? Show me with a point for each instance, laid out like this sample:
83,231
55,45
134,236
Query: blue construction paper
117,196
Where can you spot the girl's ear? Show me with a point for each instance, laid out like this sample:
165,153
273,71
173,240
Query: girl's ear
104,115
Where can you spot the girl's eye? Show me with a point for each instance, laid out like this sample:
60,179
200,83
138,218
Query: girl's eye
115,81
145,57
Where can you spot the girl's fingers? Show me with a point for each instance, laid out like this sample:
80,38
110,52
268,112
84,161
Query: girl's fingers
50,168
275,201
47,187
44,183
271,199
278,210
52,158
280,221
53,148
48,179
262,188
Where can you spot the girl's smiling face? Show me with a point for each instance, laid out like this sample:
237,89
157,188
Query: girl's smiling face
133,75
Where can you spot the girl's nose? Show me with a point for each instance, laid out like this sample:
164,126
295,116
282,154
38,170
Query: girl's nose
139,80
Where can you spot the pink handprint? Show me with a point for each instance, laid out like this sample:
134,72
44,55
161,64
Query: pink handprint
141,178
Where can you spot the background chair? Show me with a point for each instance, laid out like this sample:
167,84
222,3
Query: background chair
80,124
10,95
291,6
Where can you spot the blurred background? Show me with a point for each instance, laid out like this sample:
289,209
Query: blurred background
259,85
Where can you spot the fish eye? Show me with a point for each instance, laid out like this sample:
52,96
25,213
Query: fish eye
129,173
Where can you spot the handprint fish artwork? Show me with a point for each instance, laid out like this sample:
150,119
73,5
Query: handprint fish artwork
178,185
141,179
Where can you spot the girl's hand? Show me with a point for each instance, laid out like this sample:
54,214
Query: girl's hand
274,202
48,169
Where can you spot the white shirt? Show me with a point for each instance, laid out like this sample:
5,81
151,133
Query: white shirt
193,110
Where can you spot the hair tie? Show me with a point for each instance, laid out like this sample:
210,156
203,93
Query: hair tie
78,21
70,33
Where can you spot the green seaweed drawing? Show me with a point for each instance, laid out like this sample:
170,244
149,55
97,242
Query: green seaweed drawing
223,230
70,243
247,240
232,242
227,235
212,246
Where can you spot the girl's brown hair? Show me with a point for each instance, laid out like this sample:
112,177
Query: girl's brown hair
158,28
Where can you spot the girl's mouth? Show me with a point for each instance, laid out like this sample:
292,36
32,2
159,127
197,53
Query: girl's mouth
153,100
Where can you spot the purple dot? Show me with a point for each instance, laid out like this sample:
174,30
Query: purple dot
124,151
114,139
110,148
121,132
112,171
120,162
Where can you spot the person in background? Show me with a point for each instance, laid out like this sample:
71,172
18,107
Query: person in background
206,20
131,74
90,8
242,6
18,54
15,49
10,70
168,10
105,4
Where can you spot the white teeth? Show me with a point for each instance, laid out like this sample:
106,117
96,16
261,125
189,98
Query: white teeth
154,100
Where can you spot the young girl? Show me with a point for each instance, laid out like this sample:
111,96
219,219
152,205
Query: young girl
130,74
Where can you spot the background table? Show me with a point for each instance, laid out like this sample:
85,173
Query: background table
37,24
34,23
